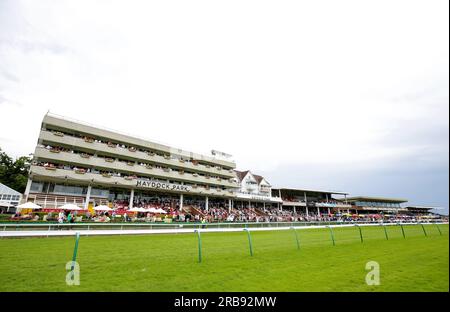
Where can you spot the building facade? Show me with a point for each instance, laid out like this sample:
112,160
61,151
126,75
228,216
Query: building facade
9,198
254,191
89,166
312,202
78,163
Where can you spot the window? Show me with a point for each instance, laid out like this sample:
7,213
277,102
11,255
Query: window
36,187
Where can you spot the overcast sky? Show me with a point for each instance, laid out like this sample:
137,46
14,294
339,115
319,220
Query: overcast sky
341,95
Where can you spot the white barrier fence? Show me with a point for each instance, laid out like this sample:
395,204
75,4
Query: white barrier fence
42,230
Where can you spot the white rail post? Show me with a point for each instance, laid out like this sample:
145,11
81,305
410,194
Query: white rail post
88,197
131,200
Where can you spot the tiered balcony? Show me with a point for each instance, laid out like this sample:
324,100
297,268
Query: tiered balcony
62,175
93,147
334,205
65,124
109,164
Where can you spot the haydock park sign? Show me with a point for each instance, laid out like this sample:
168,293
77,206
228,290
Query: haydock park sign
163,186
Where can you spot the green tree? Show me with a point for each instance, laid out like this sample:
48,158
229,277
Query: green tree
14,173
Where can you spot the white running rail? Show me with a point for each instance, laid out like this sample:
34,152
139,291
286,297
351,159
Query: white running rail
71,232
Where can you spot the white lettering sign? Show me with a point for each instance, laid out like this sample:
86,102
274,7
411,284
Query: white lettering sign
163,186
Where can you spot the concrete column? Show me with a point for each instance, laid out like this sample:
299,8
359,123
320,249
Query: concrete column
264,206
307,212
328,210
295,211
27,189
181,201
206,203
249,204
345,198
88,197
229,206
318,211
131,199
327,197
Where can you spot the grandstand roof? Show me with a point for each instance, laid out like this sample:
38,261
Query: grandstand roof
241,174
310,191
377,199
258,178
423,207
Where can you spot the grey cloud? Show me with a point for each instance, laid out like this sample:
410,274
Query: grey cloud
9,76
29,46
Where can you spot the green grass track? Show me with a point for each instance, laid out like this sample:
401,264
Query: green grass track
169,262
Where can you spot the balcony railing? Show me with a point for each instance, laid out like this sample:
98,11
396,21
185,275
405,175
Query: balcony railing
109,164
136,154
108,179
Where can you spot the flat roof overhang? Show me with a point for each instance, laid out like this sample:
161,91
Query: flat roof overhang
292,190
423,207
377,199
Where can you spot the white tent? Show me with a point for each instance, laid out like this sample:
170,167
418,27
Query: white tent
134,209
102,208
159,210
70,207
29,205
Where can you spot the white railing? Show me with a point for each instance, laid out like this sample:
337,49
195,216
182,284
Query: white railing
29,230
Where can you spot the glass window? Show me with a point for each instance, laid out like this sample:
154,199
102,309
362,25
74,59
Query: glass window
36,187
99,192
66,189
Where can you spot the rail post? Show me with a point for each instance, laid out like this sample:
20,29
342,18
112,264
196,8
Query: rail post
249,242
423,228
332,235
75,251
296,238
403,231
440,233
199,245
360,232
385,231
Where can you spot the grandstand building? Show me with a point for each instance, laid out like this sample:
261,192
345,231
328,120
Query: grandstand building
89,166
311,202
365,204
78,163
9,198
254,191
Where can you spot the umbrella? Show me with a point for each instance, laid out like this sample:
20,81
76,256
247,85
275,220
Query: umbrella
135,209
102,208
70,207
159,210
29,205
153,210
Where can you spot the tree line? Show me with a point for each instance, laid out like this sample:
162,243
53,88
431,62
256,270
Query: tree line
14,173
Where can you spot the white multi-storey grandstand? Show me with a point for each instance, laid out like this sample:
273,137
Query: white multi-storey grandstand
89,166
